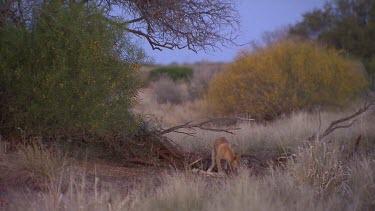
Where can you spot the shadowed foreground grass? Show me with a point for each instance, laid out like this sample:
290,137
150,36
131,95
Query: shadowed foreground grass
183,191
324,176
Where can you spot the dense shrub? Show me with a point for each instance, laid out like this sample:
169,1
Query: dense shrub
284,77
173,72
72,71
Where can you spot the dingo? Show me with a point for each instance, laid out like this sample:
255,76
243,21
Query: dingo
223,151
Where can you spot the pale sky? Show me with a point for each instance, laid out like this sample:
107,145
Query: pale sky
256,17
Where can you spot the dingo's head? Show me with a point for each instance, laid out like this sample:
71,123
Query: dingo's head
235,163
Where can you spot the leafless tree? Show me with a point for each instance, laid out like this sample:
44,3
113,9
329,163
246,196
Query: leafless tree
176,24
10,11
165,24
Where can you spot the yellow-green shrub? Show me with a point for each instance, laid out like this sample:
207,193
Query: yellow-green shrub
284,77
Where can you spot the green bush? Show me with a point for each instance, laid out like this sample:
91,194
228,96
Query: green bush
71,72
285,77
173,72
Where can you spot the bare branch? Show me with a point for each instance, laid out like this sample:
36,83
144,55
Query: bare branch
337,124
206,173
193,24
165,24
134,20
202,126
185,133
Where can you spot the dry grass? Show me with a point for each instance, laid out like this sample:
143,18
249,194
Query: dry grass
77,197
178,102
276,191
32,165
177,192
4,147
171,114
322,178
165,90
362,183
322,167
284,134
184,191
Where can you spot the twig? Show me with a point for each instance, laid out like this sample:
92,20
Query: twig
206,173
193,163
163,155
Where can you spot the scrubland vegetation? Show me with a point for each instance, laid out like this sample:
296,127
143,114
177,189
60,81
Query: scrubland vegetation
324,176
81,123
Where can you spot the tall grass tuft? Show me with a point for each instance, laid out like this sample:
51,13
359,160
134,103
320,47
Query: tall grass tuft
179,192
33,165
321,167
362,183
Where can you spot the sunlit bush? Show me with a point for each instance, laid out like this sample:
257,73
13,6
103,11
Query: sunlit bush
284,77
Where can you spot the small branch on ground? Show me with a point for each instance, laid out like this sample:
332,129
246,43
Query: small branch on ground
206,173
140,161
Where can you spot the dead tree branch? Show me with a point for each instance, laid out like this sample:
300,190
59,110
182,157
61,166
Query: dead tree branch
341,123
202,126
171,24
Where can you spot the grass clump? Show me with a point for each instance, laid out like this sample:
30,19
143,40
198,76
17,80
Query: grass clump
178,192
362,183
321,166
33,165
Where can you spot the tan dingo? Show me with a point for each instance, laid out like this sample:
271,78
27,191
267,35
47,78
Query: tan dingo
223,151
